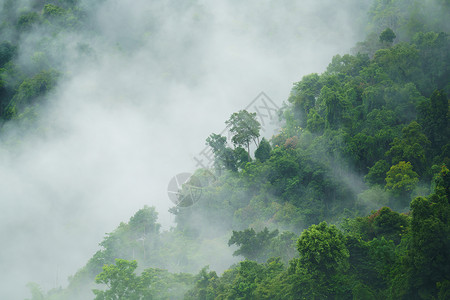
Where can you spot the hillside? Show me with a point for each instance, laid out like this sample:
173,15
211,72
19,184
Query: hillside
349,200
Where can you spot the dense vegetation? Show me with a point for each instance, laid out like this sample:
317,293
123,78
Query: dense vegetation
349,200
24,84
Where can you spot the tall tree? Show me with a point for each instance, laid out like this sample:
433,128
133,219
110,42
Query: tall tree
245,128
323,261
401,180
412,147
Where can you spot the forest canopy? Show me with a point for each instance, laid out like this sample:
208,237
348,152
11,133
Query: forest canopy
348,200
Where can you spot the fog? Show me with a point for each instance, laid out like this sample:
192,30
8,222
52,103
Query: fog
133,110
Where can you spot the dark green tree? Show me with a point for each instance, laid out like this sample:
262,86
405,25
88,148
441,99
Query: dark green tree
412,147
7,52
434,117
27,21
323,261
430,240
241,157
387,36
377,173
303,95
262,153
252,245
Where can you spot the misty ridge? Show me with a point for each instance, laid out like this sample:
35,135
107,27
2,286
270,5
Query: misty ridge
344,195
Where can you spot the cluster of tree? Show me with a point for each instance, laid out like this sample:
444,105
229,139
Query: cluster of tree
381,115
386,255
369,134
384,119
26,82
123,283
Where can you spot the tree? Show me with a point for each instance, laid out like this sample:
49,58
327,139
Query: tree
252,245
245,128
204,286
224,157
388,224
7,52
29,91
323,260
315,123
262,153
304,95
387,36
27,20
401,180
400,62
121,281
322,248
430,240
335,107
36,292
53,11
410,147
217,143
434,118
144,222
241,157
403,100
248,275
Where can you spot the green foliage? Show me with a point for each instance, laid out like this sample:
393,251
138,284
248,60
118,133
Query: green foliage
29,91
381,114
412,147
323,261
247,280
241,157
315,123
53,11
304,95
27,20
434,118
348,64
262,153
387,36
377,173
322,249
245,129
252,245
401,179
144,221
223,155
7,52
25,83
430,239
36,292
388,224
123,283
205,285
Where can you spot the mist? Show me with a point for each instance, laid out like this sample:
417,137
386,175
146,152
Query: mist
134,107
